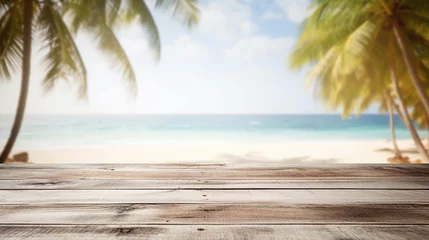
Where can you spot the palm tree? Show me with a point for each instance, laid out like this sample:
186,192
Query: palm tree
19,42
422,118
403,19
351,43
391,108
407,119
23,20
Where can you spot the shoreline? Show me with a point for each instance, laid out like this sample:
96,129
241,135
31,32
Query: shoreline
287,152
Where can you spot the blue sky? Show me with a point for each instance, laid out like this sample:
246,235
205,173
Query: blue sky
234,61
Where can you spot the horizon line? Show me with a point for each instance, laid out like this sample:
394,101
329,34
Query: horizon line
128,114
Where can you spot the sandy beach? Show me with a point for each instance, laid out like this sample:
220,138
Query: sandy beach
288,152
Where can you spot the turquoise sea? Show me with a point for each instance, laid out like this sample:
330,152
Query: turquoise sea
67,131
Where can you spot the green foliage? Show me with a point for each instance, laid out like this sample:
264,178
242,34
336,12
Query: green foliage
63,60
351,48
56,22
11,43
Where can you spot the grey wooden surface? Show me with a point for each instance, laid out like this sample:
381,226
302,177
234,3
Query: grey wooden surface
214,201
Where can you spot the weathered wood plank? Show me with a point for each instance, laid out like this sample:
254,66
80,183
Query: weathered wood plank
212,196
239,173
337,183
294,232
242,166
127,166
223,214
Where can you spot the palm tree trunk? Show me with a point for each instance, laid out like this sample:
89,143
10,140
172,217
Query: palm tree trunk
396,108
392,125
427,138
411,69
427,128
26,65
407,120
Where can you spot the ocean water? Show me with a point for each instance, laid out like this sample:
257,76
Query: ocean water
52,131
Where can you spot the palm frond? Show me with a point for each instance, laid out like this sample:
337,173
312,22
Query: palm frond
81,13
138,10
113,11
316,41
5,5
415,24
110,45
357,46
11,42
63,60
185,10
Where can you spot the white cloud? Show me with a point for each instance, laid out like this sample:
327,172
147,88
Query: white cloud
258,47
135,45
296,10
186,47
227,19
270,15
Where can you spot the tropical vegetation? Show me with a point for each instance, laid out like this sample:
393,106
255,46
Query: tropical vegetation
367,52
55,23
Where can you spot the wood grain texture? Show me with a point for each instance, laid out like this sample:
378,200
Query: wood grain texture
214,201
238,166
276,232
212,196
216,173
124,184
142,166
221,214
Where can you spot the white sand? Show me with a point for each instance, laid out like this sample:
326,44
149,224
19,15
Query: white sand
364,151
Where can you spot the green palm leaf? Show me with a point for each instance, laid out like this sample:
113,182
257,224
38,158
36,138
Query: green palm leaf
137,10
186,10
11,42
109,44
63,60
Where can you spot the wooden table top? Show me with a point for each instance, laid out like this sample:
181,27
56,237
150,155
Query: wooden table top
214,201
